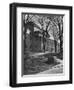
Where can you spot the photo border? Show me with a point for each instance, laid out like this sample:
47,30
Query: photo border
13,44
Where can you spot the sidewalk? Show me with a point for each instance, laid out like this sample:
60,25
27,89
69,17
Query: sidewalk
36,54
39,53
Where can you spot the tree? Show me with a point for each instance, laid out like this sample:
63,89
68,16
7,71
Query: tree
27,24
43,23
58,32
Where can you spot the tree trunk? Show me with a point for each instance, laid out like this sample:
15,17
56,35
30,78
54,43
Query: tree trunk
43,42
60,36
55,43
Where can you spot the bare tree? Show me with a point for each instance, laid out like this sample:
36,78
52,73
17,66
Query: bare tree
58,33
43,22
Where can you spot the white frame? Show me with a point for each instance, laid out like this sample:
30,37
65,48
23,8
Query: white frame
43,78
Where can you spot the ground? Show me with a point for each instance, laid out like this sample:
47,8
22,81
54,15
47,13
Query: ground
43,63
54,70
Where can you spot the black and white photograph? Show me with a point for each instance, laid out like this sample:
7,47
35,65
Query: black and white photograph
42,43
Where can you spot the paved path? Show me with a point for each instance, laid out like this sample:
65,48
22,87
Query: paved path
41,53
38,54
54,70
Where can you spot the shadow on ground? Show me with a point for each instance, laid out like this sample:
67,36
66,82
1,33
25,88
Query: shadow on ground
37,64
